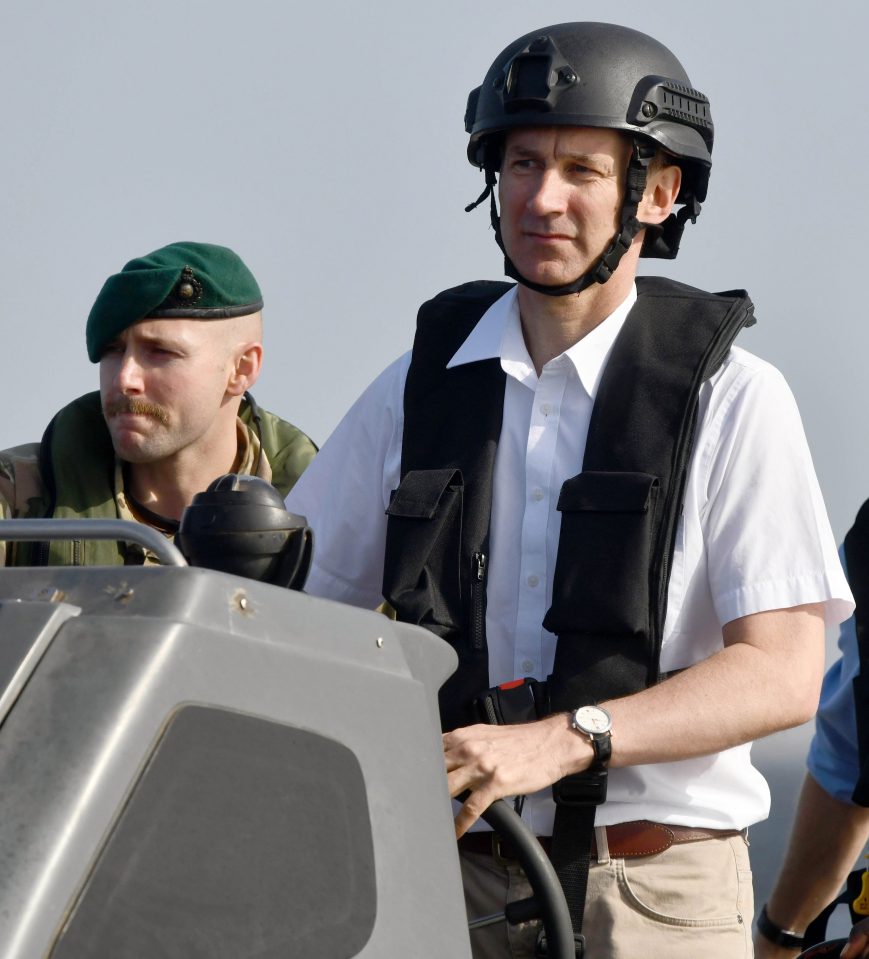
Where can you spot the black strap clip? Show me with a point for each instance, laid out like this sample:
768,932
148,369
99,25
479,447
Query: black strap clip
582,789
519,701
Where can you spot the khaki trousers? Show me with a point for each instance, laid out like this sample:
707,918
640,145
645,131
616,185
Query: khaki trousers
692,901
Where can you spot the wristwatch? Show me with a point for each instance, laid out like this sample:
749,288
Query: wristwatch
596,723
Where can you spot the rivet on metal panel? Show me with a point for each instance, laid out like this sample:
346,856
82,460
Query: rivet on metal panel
241,603
51,594
380,642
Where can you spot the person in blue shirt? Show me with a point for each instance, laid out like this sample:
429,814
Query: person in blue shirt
830,829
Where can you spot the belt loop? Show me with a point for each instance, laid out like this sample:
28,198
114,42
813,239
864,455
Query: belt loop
603,849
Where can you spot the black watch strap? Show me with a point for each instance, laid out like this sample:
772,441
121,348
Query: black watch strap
781,937
603,748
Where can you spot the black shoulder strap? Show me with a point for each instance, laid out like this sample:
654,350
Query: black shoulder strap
857,561
610,594
618,526
437,531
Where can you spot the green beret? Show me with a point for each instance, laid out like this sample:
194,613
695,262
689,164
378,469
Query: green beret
193,280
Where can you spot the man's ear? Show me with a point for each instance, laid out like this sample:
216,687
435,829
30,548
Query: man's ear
245,369
662,188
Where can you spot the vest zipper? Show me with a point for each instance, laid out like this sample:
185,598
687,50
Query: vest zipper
478,596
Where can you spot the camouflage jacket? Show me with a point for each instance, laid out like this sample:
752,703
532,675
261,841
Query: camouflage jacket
73,473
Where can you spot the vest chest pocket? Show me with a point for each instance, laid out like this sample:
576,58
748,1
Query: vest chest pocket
421,574
601,580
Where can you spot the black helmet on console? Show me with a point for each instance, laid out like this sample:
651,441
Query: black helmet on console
599,75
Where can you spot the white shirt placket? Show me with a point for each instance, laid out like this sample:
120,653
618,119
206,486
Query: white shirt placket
540,501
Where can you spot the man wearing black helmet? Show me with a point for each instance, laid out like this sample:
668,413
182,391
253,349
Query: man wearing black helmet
607,509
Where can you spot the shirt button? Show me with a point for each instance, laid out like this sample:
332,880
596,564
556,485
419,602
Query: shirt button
546,408
527,666
533,580
537,494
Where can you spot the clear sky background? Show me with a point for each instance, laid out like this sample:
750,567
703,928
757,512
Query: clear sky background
325,143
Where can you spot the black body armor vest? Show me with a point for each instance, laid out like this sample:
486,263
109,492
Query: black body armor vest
619,514
857,561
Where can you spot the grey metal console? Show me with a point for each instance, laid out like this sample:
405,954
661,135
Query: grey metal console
193,764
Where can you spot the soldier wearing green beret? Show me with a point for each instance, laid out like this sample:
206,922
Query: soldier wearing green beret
178,338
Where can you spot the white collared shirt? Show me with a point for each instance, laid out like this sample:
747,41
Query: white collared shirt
754,534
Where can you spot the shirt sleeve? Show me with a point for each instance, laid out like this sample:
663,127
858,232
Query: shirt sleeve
345,491
834,760
768,538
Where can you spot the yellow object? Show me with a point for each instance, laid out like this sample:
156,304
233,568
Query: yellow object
861,903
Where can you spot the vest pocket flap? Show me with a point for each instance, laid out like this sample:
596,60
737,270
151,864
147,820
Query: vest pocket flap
600,586
422,557
602,492
420,492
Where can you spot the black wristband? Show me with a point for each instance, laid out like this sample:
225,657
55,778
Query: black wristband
781,937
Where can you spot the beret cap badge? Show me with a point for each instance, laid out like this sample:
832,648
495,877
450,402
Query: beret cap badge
188,289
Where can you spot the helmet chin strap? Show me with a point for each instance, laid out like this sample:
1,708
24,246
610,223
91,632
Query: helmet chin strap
629,226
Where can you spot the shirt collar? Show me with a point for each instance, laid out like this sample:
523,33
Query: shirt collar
498,334
248,448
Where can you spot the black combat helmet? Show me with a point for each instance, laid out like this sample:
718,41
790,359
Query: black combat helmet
598,75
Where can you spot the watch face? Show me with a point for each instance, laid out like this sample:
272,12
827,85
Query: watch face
592,720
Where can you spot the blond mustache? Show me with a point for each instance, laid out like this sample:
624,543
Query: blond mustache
127,404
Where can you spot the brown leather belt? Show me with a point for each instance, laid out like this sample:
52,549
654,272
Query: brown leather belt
638,838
